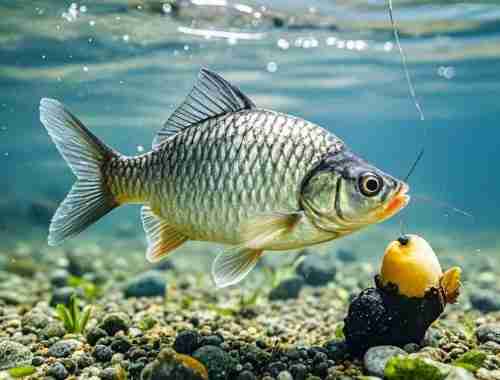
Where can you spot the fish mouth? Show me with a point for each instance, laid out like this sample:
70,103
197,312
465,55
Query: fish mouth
397,203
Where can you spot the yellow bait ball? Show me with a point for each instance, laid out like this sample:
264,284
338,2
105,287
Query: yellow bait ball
194,364
411,264
450,283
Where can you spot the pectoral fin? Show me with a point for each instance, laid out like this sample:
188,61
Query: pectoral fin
233,265
161,237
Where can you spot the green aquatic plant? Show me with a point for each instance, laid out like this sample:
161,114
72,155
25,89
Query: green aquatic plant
406,368
90,290
74,320
147,323
19,372
472,360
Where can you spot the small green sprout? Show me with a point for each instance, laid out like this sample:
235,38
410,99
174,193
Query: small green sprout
471,360
147,323
74,320
405,368
19,372
90,290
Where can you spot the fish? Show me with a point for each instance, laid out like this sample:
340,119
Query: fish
223,170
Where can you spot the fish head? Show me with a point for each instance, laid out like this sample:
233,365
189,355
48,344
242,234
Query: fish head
343,193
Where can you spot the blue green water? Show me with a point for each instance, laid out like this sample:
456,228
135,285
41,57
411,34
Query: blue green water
122,66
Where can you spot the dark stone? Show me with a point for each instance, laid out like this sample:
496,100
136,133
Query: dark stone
102,353
484,300
187,342
346,256
287,289
33,321
63,295
276,367
37,361
168,367
298,371
120,344
246,375
211,340
59,278
79,264
94,334
58,371
69,364
84,361
337,350
149,284
217,361
380,316
115,322
53,330
320,369
488,333
317,270
63,348
109,374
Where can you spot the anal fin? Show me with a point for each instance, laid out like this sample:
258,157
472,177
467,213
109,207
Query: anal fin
161,237
233,265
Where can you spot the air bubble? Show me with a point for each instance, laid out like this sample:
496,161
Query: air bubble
166,8
272,67
126,38
85,68
140,148
283,44
388,46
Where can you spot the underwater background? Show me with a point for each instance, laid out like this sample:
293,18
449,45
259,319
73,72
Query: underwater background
123,66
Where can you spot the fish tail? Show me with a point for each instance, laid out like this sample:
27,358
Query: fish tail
89,199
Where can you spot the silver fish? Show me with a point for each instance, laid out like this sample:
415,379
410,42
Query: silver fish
223,170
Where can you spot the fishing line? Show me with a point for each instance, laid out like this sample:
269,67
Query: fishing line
443,205
413,95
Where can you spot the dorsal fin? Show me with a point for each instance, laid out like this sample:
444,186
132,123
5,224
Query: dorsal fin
211,96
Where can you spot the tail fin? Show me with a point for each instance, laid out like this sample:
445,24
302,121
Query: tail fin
88,199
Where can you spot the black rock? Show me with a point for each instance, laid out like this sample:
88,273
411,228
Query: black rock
63,295
187,342
337,350
346,256
115,322
120,344
275,368
37,361
168,367
94,334
58,371
217,361
298,371
84,361
488,333
63,348
380,316
149,284
102,353
287,289
317,270
59,278
79,264
246,375
211,340
109,374
53,330
484,300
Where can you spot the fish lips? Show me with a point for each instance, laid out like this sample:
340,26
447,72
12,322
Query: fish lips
396,204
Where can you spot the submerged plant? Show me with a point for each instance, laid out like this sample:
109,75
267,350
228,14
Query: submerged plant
471,360
90,290
19,372
405,368
74,320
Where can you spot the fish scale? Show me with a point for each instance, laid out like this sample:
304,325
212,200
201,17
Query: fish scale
236,176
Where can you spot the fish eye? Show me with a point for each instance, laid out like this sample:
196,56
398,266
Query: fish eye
370,184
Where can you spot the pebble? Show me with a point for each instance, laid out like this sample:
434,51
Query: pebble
148,284
287,289
58,371
246,375
187,342
298,371
337,350
484,300
217,361
285,375
376,358
317,270
34,320
53,330
63,295
102,353
488,332
59,278
13,354
458,373
94,334
63,348
114,322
